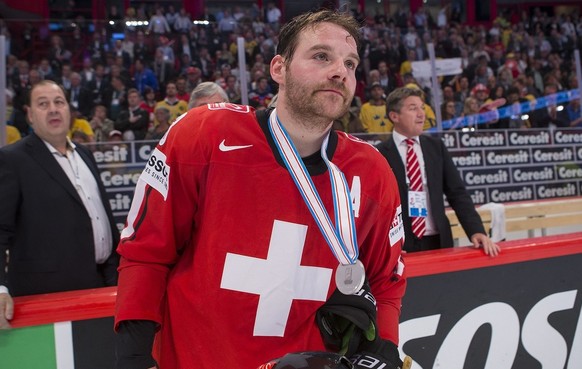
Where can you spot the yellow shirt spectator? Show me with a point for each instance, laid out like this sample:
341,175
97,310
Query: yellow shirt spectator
176,108
12,135
373,113
81,125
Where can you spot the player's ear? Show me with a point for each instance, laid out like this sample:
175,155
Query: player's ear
278,69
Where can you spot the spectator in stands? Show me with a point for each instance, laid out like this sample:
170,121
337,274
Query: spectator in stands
480,93
80,138
547,117
224,55
167,49
462,90
181,93
163,118
273,16
232,89
58,54
12,135
183,22
227,25
470,112
448,113
149,103
571,113
65,77
515,119
118,97
530,49
81,98
373,115
100,124
261,96
120,72
45,70
127,44
387,79
144,77
449,97
87,71
11,68
171,15
424,184
175,106
133,122
100,87
141,49
163,70
80,125
19,77
187,48
40,174
204,62
119,52
207,15
158,23
9,105
21,85
115,136
207,93
193,78
97,49
350,121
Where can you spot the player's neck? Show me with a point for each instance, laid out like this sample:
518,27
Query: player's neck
307,134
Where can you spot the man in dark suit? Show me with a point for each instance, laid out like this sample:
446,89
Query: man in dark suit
549,116
438,176
55,219
80,97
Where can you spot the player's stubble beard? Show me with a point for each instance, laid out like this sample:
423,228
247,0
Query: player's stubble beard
310,108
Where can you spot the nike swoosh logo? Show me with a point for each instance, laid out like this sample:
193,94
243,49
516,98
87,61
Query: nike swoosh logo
223,147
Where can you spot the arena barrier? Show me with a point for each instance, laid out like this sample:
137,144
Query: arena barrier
462,309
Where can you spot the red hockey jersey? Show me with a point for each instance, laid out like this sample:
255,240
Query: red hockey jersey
221,250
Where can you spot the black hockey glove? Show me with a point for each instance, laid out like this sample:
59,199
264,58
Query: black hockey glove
346,320
368,360
348,326
133,344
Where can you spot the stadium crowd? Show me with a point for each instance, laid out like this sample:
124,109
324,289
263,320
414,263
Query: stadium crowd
125,68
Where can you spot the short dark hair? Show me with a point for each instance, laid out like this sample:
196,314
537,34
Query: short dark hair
396,97
45,82
289,34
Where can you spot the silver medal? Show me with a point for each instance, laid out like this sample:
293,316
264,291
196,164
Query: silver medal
349,278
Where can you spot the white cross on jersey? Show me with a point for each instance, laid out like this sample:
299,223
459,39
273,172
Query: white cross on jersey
278,280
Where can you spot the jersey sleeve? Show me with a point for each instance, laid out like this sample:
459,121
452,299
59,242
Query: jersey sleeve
160,221
381,253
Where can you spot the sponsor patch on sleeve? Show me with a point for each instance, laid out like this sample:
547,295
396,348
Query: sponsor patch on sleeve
157,173
229,106
396,228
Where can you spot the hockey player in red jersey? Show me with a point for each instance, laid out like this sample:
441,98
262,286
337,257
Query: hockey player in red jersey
244,223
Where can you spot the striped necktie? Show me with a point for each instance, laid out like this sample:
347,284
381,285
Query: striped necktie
415,178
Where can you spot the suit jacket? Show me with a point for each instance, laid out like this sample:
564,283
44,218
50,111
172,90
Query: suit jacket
139,127
541,118
45,226
442,179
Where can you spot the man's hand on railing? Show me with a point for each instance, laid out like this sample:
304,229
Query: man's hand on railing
6,310
489,247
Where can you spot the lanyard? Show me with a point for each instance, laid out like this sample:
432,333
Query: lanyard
341,238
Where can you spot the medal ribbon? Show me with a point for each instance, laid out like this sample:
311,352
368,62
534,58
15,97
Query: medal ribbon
341,238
